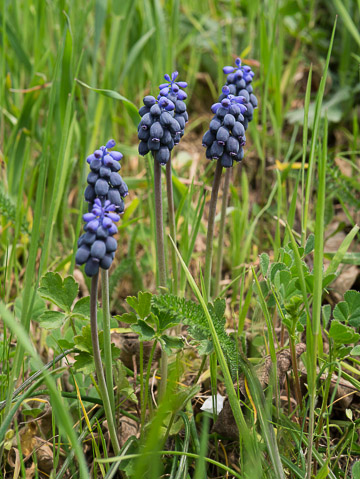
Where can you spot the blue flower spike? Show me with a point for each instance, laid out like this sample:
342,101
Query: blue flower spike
104,180
226,135
163,119
105,194
239,80
225,138
97,246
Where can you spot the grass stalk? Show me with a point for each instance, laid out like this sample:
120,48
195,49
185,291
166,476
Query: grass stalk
317,294
219,258
98,364
107,337
210,229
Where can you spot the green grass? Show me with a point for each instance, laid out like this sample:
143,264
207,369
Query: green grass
72,76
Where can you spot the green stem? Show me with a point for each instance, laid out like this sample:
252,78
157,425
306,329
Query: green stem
172,224
107,337
159,226
219,259
164,374
146,389
210,231
98,364
161,259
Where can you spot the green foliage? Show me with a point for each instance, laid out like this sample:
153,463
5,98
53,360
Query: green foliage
192,315
62,294
83,346
150,323
8,211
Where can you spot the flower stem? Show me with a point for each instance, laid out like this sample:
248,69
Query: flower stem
107,337
219,260
98,364
159,226
161,261
170,196
210,231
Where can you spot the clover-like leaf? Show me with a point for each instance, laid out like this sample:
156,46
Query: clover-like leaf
355,351
264,263
343,334
58,291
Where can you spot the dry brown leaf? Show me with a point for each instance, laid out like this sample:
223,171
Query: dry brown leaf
44,454
284,365
225,423
15,464
30,471
28,438
129,345
128,428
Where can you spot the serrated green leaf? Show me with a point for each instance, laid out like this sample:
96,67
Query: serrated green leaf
165,321
141,304
310,244
343,334
82,307
171,342
83,341
219,308
145,332
128,318
84,362
58,291
52,319
264,263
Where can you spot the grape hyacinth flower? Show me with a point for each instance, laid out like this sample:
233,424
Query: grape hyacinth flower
97,245
226,135
104,181
239,80
163,120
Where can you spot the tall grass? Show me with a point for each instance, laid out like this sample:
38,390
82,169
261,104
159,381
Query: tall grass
71,77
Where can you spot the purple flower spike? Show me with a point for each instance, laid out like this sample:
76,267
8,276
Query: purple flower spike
105,192
162,124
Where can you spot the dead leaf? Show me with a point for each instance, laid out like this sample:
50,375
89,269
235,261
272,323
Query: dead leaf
44,454
27,438
128,428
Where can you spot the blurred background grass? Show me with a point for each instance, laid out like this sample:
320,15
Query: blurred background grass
50,122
